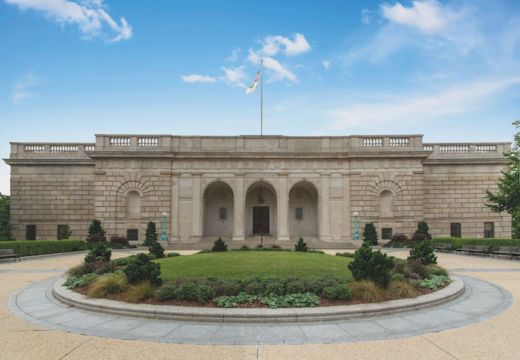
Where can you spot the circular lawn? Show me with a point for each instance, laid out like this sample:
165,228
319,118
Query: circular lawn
246,264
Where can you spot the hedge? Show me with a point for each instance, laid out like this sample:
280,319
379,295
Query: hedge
40,247
457,243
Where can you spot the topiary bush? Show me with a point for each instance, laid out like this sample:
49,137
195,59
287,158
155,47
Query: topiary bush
422,232
371,265
300,245
151,234
96,233
64,232
99,251
370,234
156,249
424,252
141,269
219,245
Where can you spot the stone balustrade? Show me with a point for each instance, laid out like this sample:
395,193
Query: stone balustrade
355,144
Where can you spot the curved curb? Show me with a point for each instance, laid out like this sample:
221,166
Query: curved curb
240,315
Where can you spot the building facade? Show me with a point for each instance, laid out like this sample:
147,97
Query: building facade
243,188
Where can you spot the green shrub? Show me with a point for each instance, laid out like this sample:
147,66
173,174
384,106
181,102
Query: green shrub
421,233
401,289
254,286
165,292
234,301
107,284
274,287
119,242
371,265
96,232
343,292
345,254
41,247
424,252
64,232
330,292
434,282
187,291
457,243
370,234
397,277
219,245
416,266
172,254
156,249
75,281
436,270
295,286
140,292
290,300
228,288
151,234
366,291
99,251
141,269
300,245
205,293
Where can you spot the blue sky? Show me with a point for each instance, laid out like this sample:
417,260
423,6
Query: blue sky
69,68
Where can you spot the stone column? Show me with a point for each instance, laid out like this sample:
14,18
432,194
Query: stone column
175,209
325,208
239,209
196,205
282,208
346,208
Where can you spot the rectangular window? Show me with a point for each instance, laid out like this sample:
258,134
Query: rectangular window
455,230
30,232
132,234
386,233
222,214
489,230
298,213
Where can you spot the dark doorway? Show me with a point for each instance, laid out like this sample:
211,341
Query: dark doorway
261,220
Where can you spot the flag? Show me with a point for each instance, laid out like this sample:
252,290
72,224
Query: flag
251,89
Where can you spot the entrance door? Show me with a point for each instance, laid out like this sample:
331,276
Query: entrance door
261,220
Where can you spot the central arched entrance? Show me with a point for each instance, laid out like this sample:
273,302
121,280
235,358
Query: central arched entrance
261,209
218,210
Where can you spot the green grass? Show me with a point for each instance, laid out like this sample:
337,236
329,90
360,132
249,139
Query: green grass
246,264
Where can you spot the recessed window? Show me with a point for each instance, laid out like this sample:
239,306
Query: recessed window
132,234
298,213
489,230
455,230
222,213
30,232
386,233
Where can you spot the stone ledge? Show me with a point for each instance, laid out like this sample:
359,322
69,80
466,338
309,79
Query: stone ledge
289,315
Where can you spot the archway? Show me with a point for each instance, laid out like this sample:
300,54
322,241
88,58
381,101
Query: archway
385,204
218,210
261,209
303,210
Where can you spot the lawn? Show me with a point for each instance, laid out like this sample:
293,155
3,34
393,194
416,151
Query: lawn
244,264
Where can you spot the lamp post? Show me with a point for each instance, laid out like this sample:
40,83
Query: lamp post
164,236
356,225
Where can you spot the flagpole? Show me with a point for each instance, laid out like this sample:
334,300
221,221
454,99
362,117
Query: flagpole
262,97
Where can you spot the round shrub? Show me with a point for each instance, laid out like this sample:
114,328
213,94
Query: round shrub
274,287
141,269
295,286
165,292
343,292
187,291
219,245
371,265
397,277
254,287
424,252
205,293
330,292
228,288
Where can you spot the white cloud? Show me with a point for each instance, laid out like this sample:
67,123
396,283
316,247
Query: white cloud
23,88
428,15
196,78
89,15
234,55
235,76
413,108
297,46
366,16
278,72
326,64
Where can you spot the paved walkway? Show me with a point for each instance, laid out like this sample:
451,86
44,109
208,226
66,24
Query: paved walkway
495,337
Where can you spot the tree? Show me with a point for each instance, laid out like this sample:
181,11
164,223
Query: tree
507,196
370,234
96,232
64,232
300,245
422,232
151,234
371,265
5,210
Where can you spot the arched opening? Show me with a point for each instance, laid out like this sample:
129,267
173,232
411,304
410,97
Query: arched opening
303,210
261,209
386,199
133,204
218,210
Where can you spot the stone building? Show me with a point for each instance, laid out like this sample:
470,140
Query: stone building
242,188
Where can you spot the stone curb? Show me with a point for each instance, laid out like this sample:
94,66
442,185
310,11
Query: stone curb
289,315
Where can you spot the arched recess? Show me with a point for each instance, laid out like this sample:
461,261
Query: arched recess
386,199
133,204
303,210
261,209
218,210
